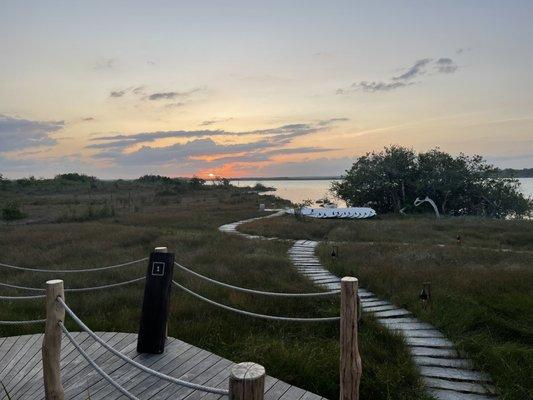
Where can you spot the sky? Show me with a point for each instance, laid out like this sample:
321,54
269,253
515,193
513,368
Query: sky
119,89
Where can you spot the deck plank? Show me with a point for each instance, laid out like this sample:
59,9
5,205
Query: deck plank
21,369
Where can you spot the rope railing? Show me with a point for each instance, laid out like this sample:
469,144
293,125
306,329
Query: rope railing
104,375
242,385
15,298
45,270
252,291
83,289
252,314
142,367
27,322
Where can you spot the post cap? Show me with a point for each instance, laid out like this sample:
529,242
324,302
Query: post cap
349,279
247,371
54,281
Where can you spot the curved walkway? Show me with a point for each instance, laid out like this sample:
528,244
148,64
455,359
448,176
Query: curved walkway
446,375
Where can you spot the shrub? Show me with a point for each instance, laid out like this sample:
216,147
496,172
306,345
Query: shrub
11,212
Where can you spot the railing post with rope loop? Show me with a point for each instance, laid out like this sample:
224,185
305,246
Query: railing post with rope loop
51,349
247,382
350,360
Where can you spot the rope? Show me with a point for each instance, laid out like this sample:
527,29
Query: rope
177,381
105,286
95,366
32,321
21,287
73,270
241,289
86,289
39,296
251,314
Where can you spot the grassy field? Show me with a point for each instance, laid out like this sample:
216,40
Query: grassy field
482,297
475,232
60,232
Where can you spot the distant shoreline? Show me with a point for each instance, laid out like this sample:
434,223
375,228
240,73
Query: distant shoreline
505,173
287,178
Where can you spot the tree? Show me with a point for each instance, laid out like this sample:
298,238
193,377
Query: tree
196,182
464,185
383,180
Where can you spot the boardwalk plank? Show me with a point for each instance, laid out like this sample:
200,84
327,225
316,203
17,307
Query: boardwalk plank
150,384
468,387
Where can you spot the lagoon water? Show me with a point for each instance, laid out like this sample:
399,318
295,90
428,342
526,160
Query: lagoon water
300,190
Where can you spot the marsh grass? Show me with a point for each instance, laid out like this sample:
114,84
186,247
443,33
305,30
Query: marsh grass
474,231
482,297
306,355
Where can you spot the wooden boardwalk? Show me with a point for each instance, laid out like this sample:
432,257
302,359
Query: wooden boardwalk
21,370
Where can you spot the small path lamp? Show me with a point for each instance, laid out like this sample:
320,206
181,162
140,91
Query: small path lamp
334,252
425,295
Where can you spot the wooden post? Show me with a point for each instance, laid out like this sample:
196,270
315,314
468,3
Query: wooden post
350,360
247,381
51,349
153,327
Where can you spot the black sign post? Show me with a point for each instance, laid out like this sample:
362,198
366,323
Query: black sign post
152,330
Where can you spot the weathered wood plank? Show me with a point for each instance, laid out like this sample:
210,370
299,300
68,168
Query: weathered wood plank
276,391
443,362
140,380
454,373
453,395
18,368
190,358
468,387
35,375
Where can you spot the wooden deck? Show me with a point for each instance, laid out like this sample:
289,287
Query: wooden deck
21,370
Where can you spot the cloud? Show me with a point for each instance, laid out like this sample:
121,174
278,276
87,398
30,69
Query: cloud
138,90
163,96
175,105
17,134
202,151
418,68
374,86
326,122
117,93
172,95
463,50
279,135
443,65
106,63
215,121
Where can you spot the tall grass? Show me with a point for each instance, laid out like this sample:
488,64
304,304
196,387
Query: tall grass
482,297
474,231
306,355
